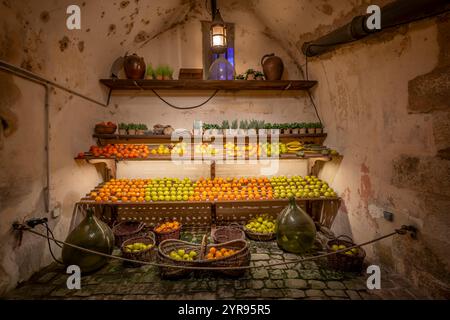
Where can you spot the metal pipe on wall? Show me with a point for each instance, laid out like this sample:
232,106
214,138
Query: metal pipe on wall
394,14
25,74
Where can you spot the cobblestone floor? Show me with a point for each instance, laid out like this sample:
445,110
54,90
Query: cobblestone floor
307,280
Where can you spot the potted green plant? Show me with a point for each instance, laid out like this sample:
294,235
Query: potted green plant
295,126
234,127
250,74
243,127
302,128
252,126
123,127
259,75
225,126
276,128
310,128
167,73
319,127
149,73
141,128
260,126
285,127
132,129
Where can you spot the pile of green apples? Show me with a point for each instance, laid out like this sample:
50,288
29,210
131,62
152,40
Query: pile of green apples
169,189
350,252
274,149
299,187
182,254
262,224
137,247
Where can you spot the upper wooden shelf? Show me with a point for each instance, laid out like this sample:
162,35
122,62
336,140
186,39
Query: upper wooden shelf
234,85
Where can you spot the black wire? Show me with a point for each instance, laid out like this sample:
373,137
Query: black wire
185,108
51,232
49,245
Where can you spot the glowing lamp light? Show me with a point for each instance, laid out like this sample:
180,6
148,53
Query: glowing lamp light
218,34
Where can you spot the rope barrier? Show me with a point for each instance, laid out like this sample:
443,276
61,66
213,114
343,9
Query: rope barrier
402,231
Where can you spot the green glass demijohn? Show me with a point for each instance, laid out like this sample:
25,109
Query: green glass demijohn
296,230
93,234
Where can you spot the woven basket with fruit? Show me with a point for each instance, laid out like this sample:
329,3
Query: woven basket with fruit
139,248
261,228
347,261
180,253
167,230
234,253
105,128
126,230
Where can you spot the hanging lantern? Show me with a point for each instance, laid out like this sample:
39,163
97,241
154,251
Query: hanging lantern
218,34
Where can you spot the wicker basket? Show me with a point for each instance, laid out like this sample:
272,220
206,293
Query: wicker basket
102,129
164,250
227,233
161,236
260,236
345,262
239,259
126,230
145,255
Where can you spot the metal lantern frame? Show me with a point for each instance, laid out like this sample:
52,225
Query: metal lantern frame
218,34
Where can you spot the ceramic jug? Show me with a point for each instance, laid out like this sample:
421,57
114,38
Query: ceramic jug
272,66
134,67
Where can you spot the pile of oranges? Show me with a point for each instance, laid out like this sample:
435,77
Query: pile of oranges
232,189
120,151
168,227
124,190
215,253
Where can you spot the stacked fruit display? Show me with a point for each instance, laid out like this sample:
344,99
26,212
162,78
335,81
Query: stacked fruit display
299,187
119,151
137,247
261,224
168,227
161,150
205,149
207,189
350,252
215,253
182,254
232,189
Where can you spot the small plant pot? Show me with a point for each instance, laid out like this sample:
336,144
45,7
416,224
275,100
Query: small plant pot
159,77
286,131
295,131
259,78
311,130
132,132
250,77
242,132
140,132
274,132
122,132
230,132
167,78
302,130
319,130
263,131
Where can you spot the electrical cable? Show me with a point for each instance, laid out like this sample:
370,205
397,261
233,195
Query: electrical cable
185,108
49,244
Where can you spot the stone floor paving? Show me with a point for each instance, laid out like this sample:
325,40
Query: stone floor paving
307,280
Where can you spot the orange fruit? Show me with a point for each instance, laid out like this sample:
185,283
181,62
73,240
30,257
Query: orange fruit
212,250
98,199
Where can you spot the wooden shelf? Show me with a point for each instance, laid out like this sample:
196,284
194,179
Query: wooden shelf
181,203
117,138
233,85
169,158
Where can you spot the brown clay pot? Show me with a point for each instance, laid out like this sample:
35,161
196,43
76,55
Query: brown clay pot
272,66
134,67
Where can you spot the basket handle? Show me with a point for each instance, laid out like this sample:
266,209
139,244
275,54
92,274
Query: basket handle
151,235
140,226
235,225
343,236
203,247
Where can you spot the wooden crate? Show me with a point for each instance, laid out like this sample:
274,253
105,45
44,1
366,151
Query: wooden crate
321,210
188,213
